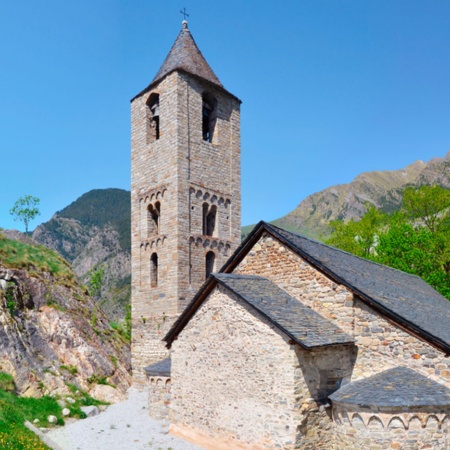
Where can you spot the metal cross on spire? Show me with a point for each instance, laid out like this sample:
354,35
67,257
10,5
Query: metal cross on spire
185,14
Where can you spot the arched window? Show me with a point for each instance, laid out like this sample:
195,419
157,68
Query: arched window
154,270
153,118
154,213
208,117
209,266
209,219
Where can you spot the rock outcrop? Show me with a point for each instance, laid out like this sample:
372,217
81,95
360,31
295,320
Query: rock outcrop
52,333
94,233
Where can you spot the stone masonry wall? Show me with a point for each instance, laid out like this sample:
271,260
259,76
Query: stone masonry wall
153,178
372,428
381,344
323,370
233,379
237,381
178,172
158,397
209,173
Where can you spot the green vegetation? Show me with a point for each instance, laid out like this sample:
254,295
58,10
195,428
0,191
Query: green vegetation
82,398
25,210
96,280
415,239
18,255
14,411
7,382
124,329
98,379
71,369
10,300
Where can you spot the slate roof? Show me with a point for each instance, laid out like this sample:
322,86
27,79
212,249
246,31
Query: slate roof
161,368
186,56
305,326
302,324
406,299
394,388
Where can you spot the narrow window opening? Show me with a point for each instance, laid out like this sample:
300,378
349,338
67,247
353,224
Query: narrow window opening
154,270
208,117
211,221
207,110
205,215
210,257
153,118
154,213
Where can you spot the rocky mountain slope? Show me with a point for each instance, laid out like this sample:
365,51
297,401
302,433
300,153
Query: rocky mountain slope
93,233
346,201
52,333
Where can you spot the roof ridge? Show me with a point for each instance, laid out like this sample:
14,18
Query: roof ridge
185,55
343,251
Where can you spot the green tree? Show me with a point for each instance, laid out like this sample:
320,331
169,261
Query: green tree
25,210
358,237
415,239
96,281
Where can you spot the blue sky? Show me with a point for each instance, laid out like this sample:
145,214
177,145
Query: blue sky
330,89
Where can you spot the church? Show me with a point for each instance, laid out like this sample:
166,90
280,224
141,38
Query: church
279,341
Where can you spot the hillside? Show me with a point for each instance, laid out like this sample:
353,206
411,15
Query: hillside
52,333
346,201
93,233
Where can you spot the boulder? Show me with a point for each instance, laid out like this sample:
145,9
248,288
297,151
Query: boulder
90,411
52,419
107,394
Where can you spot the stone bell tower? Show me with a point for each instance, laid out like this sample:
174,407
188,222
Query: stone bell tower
185,192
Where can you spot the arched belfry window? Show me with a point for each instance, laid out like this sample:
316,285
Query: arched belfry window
154,270
154,213
209,219
209,266
153,132
209,115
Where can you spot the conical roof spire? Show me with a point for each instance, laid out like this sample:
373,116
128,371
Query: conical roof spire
185,55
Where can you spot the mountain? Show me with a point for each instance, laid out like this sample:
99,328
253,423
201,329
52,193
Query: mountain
347,201
93,234
52,333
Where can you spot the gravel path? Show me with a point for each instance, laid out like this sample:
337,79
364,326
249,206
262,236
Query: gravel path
123,426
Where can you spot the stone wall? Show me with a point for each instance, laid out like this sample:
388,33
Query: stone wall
405,429
239,381
381,343
319,373
234,379
158,397
153,178
178,172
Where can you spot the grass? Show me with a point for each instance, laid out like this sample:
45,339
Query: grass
6,382
71,369
18,255
15,410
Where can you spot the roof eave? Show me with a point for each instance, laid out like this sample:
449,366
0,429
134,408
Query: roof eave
293,338
386,312
190,310
204,80
409,327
